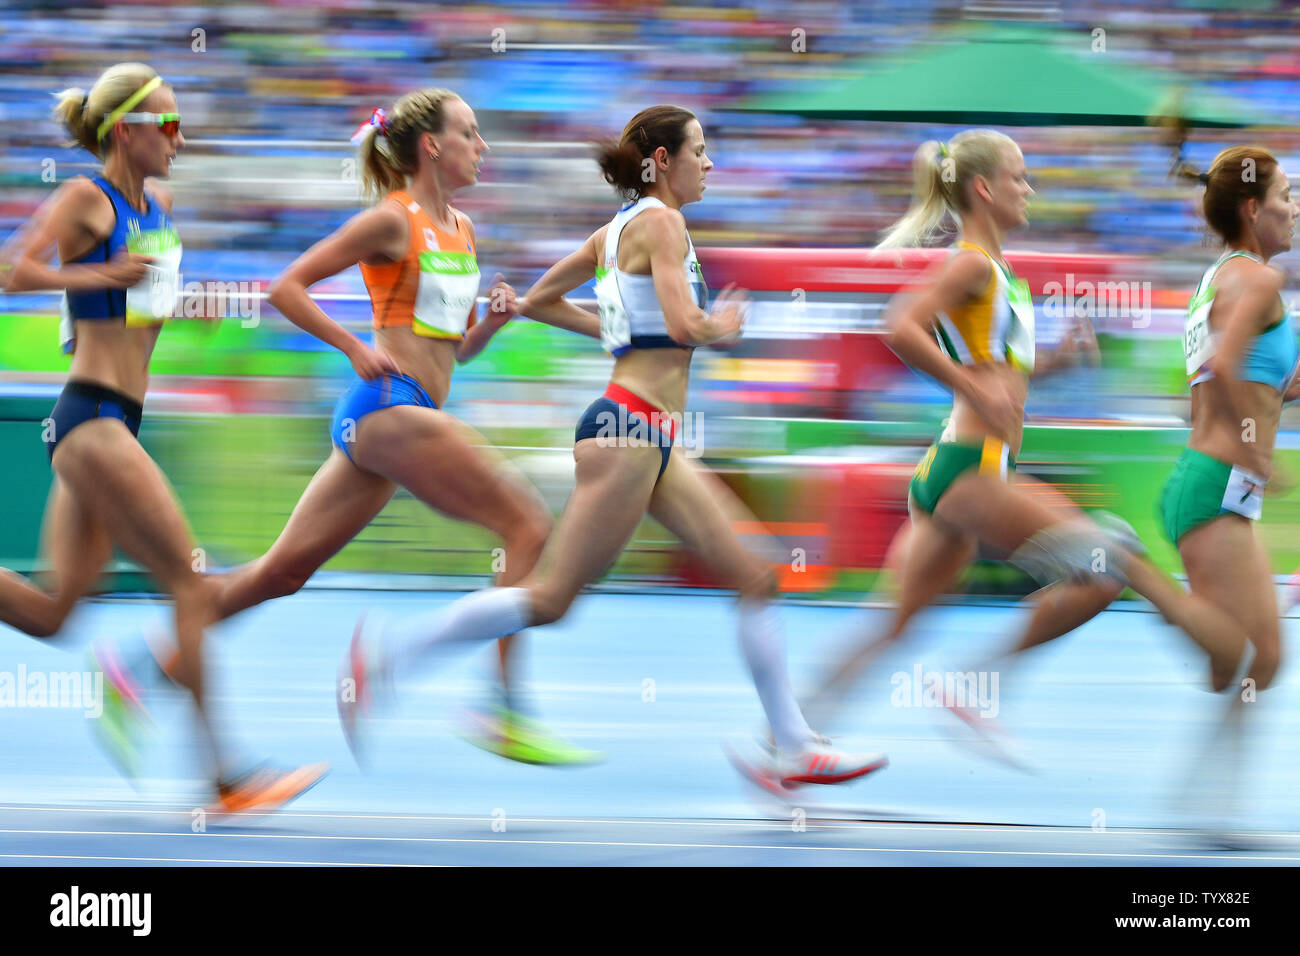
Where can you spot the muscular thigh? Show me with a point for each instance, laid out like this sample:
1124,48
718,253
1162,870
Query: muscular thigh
112,476
996,513
932,558
441,462
612,490
74,541
698,508
1227,565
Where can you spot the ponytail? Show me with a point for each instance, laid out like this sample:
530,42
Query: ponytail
627,163
931,199
388,148
381,174
70,113
81,112
941,176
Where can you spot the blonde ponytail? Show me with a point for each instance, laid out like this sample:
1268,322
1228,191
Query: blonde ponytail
941,175
380,174
930,198
70,113
81,112
388,151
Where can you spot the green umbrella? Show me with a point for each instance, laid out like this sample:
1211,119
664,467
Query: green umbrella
1010,78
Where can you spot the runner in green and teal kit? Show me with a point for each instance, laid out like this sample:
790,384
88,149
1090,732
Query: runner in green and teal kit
1241,359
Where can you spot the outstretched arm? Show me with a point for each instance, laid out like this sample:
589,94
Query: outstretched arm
375,232
545,301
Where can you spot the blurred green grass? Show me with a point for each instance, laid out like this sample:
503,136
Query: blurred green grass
240,476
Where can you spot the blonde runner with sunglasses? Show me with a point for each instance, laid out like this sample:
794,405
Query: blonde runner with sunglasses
119,257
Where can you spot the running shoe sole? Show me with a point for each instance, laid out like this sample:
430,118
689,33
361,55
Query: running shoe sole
281,791
792,780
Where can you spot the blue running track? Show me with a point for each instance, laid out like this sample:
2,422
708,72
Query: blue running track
1107,718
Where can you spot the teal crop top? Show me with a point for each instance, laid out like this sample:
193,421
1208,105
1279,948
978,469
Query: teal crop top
1270,358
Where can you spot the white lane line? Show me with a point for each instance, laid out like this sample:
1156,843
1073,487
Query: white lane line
164,859
748,824
687,846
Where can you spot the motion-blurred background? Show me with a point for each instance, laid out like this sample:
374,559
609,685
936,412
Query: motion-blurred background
811,419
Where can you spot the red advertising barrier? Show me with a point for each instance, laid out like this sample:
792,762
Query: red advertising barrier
859,506
871,271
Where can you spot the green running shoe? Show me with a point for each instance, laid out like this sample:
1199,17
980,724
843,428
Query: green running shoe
123,724
510,734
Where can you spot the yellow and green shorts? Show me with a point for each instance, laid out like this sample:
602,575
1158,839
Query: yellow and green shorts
946,461
1202,488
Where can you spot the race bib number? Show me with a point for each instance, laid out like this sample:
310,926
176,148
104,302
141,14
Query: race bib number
153,299
1244,494
447,290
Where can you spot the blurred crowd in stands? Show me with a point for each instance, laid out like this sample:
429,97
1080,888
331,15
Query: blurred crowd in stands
270,93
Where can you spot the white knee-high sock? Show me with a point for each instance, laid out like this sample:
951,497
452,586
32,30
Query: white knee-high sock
764,649
482,616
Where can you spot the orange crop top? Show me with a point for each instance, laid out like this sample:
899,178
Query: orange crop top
434,286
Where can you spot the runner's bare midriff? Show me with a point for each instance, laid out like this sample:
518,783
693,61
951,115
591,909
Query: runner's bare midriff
429,361
1246,441
969,426
660,376
110,354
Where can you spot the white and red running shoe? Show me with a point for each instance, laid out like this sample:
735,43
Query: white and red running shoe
760,773
818,762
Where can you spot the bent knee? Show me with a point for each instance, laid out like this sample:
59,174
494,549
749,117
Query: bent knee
48,621
1105,589
195,590
548,605
527,536
281,582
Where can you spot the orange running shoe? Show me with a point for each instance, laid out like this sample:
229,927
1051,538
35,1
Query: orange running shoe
266,788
